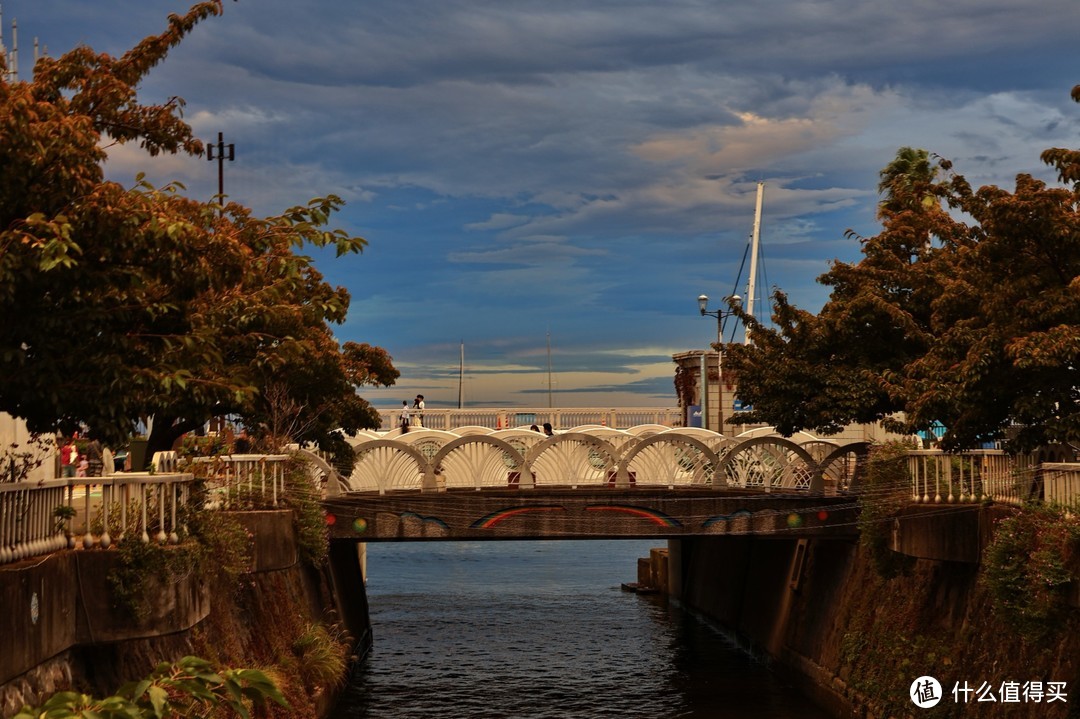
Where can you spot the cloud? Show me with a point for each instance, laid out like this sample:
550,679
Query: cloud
584,168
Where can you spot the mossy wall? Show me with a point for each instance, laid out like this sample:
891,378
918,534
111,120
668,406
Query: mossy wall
258,621
856,641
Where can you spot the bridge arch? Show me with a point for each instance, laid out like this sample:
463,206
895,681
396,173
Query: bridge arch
841,469
572,458
769,463
476,461
321,471
669,459
387,464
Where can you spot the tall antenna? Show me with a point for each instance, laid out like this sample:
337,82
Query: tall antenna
755,244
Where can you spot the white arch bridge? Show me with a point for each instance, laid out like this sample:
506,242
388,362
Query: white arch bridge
648,480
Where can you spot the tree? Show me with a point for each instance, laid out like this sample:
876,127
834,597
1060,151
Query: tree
126,303
972,322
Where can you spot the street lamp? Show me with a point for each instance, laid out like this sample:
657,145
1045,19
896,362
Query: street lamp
734,303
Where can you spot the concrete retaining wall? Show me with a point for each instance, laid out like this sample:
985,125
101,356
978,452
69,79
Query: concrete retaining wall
809,603
59,628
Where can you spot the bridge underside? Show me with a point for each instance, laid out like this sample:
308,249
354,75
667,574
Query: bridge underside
578,514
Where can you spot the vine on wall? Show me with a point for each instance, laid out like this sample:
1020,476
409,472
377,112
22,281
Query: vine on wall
885,490
1029,565
685,386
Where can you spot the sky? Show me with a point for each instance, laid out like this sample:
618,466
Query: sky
551,185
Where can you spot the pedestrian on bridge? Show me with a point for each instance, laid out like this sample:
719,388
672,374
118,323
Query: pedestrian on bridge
404,416
547,430
418,409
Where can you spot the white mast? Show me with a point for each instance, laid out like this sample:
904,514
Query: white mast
14,70
755,242
549,367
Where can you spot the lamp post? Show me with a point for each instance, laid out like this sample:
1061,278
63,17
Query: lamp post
734,303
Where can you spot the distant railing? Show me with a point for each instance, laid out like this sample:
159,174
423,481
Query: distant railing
1061,484
245,480
503,418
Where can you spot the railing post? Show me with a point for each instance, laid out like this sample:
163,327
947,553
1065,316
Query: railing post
145,536
88,539
174,538
105,541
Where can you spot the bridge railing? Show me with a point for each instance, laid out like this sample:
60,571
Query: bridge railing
979,475
500,418
1061,484
41,517
243,480
37,518
589,456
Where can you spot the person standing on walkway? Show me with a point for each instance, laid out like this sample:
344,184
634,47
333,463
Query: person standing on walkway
547,430
418,409
69,457
404,416
94,457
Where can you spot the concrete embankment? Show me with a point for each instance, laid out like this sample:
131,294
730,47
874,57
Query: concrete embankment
822,613
61,627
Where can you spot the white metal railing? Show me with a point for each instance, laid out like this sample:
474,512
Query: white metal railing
973,476
40,517
647,455
564,418
37,518
1061,484
245,480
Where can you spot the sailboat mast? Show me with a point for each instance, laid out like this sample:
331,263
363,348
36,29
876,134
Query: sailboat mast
755,243
461,378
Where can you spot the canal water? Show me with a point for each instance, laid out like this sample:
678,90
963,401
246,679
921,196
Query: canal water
539,630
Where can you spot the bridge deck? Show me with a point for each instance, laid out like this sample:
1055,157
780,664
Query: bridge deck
557,513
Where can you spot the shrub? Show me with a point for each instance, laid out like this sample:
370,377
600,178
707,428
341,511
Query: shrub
1026,568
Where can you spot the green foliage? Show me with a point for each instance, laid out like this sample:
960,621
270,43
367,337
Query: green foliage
322,659
886,489
883,659
963,310
218,548
189,688
210,446
304,498
62,513
1028,566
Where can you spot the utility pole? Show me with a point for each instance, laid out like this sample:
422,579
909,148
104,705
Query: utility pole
220,157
